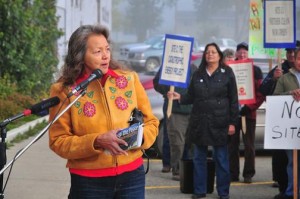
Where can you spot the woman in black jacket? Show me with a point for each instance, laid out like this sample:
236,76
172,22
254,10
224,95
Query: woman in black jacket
213,93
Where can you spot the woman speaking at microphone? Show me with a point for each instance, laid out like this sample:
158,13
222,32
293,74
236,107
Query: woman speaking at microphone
85,135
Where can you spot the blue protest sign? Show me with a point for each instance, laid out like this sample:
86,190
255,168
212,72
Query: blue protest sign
176,60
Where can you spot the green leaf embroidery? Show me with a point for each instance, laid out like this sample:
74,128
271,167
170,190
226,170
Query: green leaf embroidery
129,101
95,101
112,97
128,93
77,104
79,111
112,89
90,94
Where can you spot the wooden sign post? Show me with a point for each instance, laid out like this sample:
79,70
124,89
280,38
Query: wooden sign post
170,103
175,64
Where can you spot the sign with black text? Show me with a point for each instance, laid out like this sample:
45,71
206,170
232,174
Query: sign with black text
176,60
244,76
282,129
279,24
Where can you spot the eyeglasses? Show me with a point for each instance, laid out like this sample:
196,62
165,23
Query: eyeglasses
211,52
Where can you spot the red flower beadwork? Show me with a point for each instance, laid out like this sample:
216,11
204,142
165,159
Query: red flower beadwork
121,103
89,109
121,82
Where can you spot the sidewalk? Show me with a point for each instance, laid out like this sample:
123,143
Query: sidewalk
38,173
22,129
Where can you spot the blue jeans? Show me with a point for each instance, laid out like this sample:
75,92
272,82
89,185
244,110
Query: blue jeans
220,156
129,185
290,187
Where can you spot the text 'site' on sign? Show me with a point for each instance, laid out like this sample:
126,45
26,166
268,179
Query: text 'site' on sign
282,130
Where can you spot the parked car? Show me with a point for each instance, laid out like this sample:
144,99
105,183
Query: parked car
157,100
223,43
147,56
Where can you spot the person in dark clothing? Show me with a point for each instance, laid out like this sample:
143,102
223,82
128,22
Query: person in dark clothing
166,157
249,111
288,84
177,124
213,93
279,157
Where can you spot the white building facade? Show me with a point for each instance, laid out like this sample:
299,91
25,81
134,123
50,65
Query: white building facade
74,13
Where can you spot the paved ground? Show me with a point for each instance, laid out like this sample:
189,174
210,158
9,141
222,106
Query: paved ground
41,174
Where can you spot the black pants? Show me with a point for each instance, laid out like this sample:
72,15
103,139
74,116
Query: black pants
249,151
279,164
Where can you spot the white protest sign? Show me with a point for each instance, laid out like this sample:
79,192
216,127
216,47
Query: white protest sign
175,63
244,76
279,20
176,60
282,130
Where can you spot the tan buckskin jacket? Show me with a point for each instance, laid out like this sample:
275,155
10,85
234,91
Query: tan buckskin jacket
100,110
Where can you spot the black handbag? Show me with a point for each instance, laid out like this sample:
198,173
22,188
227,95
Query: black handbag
136,117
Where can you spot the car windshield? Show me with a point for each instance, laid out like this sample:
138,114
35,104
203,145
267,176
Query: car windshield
226,42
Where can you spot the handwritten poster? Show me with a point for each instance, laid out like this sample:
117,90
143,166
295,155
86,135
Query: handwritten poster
279,24
256,27
282,129
176,60
244,75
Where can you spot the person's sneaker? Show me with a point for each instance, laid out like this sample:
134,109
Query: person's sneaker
176,177
166,169
197,196
248,180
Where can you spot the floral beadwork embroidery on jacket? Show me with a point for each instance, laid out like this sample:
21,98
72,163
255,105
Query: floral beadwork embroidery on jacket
121,103
121,82
89,109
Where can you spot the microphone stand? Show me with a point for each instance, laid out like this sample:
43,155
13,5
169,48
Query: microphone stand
3,158
3,144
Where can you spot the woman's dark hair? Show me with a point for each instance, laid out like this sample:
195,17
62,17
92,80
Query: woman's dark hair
204,62
74,61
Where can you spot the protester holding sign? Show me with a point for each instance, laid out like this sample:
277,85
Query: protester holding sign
249,111
279,159
213,93
288,84
177,124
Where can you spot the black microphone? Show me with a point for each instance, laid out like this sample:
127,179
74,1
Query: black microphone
35,109
44,105
95,75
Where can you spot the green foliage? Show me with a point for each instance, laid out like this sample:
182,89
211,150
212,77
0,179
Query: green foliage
6,87
14,104
10,109
28,34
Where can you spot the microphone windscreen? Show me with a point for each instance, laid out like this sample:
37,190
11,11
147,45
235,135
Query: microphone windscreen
44,105
98,73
